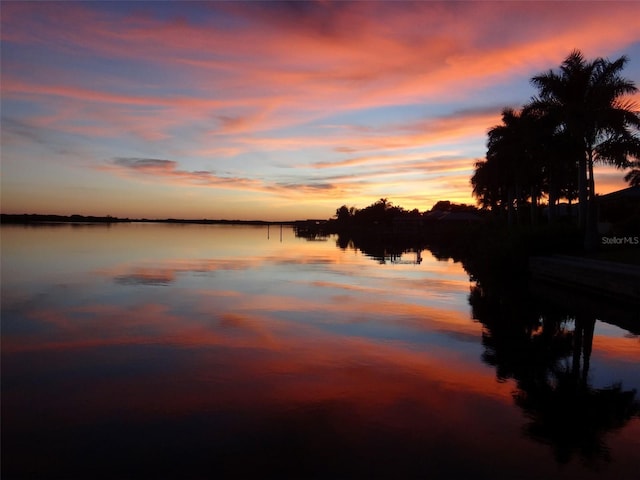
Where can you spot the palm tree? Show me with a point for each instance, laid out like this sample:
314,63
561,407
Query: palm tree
633,176
504,154
486,187
512,172
560,173
539,145
584,99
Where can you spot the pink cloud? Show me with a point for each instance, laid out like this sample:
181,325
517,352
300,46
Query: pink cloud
277,80
414,55
161,170
168,169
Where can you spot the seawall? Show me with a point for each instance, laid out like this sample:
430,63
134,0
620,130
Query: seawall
596,276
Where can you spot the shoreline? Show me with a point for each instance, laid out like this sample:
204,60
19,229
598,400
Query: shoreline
40,219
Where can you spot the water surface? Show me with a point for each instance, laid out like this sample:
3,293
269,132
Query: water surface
196,351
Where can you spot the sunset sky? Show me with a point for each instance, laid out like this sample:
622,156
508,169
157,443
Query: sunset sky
273,111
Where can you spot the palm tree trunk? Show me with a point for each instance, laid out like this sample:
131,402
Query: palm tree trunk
510,206
534,207
520,207
552,211
591,231
582,193
554,195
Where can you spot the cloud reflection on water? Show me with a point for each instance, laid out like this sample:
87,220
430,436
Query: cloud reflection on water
241,355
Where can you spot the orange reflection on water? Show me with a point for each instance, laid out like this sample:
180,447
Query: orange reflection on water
283,363
626,349
211,331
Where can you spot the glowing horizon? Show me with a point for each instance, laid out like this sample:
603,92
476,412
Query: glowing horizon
273,111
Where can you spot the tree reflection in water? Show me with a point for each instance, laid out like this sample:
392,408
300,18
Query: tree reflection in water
530,339
541,337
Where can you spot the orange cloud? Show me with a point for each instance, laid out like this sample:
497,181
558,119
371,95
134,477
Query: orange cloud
393,62
208,94
167,170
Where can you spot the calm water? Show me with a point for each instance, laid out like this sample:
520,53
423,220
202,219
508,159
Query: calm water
169,351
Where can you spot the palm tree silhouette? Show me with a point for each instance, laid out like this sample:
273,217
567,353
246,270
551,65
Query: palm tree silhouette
515,167
487,187
505,151
584,99
633,176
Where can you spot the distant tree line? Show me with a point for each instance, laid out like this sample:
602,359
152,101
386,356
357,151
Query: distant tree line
547,148
379,212
384,213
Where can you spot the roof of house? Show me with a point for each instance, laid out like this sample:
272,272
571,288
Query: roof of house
625,193
454,216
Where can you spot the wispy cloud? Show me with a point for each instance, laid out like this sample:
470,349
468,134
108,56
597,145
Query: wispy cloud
154,168
161,170
333,68
247,88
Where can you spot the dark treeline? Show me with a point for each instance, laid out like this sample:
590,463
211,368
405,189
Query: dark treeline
459,231
547,148
384,213
539,156
383,229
